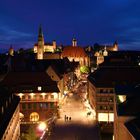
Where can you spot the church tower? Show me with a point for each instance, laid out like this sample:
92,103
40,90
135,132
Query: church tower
11,51
115,46
40,47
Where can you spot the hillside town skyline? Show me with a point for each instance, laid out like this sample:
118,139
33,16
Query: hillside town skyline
89,22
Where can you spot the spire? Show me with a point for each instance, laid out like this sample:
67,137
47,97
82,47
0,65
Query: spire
40,34
74,42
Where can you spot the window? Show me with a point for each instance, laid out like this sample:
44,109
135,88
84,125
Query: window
51,104
111,99
29,97
52,96
34,97
46,96
101,90
34,105
111,107
23,97
46,105
40,105
105,107
34,117
29,106
41,97
23,106
101,107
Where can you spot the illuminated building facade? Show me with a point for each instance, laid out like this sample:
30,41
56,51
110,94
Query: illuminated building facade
38,93
101,89
11,51
102,101
126,112
76,53
41,47
9,116
102,51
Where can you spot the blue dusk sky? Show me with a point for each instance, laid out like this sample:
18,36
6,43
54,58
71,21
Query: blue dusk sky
89,21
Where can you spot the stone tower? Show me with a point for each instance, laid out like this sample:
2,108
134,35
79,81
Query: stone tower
11,51
40,47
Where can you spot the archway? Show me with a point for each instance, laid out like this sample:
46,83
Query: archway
34,117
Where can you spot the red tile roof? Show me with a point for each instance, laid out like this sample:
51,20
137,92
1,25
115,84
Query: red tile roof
71,51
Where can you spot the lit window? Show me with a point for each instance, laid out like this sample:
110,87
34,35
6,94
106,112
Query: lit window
29,97
23,97
106,117
52,96
20,95
34,116
103,117
39,88
46,96
41,97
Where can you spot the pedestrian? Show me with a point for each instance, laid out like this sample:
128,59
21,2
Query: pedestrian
65,117
69,118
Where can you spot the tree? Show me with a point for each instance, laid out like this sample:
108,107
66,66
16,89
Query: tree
84,69
29,135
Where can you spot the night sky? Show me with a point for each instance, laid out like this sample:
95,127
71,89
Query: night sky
89,21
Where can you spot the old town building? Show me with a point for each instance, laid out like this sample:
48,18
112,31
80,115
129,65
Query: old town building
9,115
76,53
39,94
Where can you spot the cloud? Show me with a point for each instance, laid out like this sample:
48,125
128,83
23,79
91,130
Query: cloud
11,35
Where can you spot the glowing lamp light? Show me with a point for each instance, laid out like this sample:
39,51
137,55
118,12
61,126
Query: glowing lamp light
20,95
122,98
42,126
39,88
55,95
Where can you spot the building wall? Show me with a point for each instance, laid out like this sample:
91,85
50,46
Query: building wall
91,90
102,101
42,105
120,131
13,130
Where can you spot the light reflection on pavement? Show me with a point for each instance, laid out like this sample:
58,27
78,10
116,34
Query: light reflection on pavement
80,127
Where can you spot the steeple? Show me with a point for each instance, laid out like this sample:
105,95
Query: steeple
11,51
74,42
40,34
40,47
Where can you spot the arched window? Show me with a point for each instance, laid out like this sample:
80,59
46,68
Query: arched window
34,116
21,116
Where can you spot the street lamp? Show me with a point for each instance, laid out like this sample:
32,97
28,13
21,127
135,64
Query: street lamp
42,126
